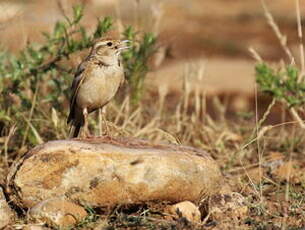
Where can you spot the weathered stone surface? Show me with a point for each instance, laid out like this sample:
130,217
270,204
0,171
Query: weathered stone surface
57,212
6,214
187,209
35,227
105,172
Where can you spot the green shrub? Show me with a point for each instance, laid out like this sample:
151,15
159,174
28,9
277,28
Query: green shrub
36,82
283,85
135,60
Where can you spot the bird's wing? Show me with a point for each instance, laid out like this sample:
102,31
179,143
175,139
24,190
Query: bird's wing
77,82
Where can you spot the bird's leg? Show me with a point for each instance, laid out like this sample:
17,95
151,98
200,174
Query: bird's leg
86,130
100,120
102,112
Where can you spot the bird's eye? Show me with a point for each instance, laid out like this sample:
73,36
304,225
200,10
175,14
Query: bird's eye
109,44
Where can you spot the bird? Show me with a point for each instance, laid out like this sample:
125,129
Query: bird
96,81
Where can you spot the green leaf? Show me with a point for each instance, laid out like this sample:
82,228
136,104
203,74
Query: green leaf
282,85
59,30
103,26
78,11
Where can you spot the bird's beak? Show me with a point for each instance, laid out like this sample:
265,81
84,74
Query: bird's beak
124,45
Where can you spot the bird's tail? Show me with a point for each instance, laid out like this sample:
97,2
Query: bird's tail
74,130
77,121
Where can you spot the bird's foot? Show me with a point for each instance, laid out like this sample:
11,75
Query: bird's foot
86,134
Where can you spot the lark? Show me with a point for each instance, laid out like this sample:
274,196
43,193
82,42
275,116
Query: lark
96,82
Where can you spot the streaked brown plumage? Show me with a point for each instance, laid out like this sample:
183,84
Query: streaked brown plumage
96,82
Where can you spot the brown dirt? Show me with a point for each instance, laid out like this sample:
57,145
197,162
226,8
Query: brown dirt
218,34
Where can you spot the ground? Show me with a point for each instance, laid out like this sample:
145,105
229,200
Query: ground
205,47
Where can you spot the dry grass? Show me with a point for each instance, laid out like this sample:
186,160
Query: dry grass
266,168
263,163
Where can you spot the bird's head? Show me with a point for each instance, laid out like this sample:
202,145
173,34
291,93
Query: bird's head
109,48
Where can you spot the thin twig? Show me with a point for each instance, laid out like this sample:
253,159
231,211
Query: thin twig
263,119
31,114
301,46
297,117
255,55
6,143
260,157
63,11
278,33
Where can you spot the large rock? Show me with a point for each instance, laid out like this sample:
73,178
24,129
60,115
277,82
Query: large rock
35,227
107,171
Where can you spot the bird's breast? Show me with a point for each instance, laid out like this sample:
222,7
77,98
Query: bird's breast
99,87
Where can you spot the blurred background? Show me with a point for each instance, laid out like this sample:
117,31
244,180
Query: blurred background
200,91
209,38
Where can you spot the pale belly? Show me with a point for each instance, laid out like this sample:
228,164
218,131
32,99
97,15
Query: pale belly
98,89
